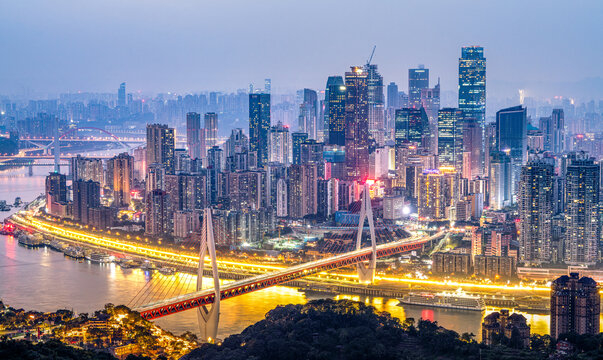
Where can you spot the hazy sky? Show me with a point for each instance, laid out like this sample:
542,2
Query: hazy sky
193,45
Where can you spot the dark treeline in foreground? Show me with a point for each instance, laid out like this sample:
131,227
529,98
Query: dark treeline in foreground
327,329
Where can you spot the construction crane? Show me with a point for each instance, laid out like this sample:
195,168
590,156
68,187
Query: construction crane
371,58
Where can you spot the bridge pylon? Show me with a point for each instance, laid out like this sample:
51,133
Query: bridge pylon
366,271
208,317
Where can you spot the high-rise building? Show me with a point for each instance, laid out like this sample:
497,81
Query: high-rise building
158,215
279,144
56,189
412,125
302,190
83,168
472,149
121,95
553,131
211,129
214,167
259,126
376,104
195,136
120,175
500,180
267,86
582,210
418,79
393,97
432,198
86,195
308,112
512,138
430,101
575,306
450,138
236,143
472,87
356,124
536,210
297,138
160,146
335,110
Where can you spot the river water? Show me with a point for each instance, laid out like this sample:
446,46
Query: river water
46,280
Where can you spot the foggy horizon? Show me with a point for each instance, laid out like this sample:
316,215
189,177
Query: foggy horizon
189,47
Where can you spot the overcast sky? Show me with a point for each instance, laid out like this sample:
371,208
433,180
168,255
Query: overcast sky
194,45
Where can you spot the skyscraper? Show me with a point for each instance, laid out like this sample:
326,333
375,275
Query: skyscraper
120,173
56,188
450,138
214,167
472,86
279,144
335,110
582,210
430,101
157,213
83,168
418,79
121,95
500,180
472,149
376,104
575,306
356,124
297,138
536,210
512,138
211,129
308,112
393,98
195,138
86,195
553,131
160,146
259,126
412,125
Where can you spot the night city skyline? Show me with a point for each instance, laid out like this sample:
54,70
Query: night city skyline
283,180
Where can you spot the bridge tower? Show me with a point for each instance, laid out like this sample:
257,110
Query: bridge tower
208,316
366,272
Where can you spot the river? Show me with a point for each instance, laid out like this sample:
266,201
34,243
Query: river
46,280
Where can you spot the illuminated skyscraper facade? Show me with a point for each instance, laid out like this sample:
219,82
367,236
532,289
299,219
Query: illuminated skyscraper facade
120,173
376,104
412,125
418,79
211,129
194,136
335,110
582,210
512,138
259,126
308,112
450,138
430,101
472,86
160,146
356,120
536,210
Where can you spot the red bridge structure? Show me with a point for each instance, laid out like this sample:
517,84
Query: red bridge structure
207,301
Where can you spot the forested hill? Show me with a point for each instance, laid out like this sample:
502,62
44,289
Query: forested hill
327,329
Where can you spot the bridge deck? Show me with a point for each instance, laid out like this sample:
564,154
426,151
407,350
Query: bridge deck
240,287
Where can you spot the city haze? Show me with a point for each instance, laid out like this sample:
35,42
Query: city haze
189,46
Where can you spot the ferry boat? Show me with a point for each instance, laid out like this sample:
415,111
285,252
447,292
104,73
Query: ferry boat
458,300
167,270
18,202
4,206
100,258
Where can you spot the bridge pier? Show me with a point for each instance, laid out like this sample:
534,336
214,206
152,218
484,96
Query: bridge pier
208,317
366,271
30,170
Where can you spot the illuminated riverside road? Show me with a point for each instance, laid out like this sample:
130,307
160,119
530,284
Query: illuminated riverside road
46,280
